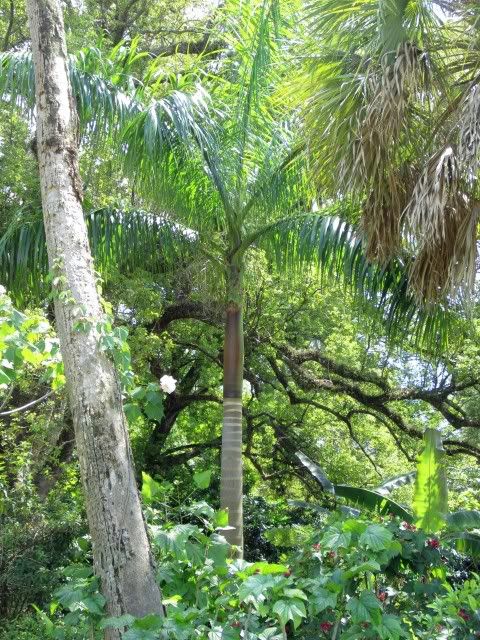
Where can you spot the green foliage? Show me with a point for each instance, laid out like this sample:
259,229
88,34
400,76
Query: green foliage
456,614
27,341
36,539
371,577
372,500
430,501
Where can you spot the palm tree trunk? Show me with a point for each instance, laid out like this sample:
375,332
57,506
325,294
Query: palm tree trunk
231,479
122,555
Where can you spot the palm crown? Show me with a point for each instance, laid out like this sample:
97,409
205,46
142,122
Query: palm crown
391,104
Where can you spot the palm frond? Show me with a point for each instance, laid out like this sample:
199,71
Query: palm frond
396,482
119,240
102,100
325,241
443,224
359,496
380,95
430,500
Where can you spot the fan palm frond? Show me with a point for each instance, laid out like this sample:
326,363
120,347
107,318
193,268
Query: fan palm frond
380,94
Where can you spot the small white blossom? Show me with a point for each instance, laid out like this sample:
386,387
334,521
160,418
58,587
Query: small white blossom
246,388
168,384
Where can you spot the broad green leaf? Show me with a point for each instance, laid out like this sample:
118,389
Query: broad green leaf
174,539
218,550
390,628
132,411
195,553
255,587
468,543
317,472
365,608
4,377
372,500
375,537
154,411
94,603
138,393
151,489
354,526
202,508
463,519
220,519
335,538
293,610
295,593
370,565
396,482
322,599
32,357
430,500
202,479
117,622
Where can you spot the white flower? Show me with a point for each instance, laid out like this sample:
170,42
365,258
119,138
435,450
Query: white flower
168,384
246,388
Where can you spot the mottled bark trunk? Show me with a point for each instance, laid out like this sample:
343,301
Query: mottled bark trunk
231,479
122,556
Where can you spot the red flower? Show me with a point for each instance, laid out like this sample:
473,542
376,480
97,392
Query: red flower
408,527
433,543
326,626
317,547
382,596
236,624
463,614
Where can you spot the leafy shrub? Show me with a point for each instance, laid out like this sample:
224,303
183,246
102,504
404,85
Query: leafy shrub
35,542
350,578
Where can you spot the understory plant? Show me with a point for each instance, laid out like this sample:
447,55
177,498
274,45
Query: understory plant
347,577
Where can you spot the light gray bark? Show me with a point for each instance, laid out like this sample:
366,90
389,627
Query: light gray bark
231,474
122,555
231,486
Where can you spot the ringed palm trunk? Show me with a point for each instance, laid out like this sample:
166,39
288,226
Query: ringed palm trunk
122,556
231,478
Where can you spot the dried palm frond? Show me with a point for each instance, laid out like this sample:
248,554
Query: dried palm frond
381,217
436,190
380,124
446,262
372,162
383,213
469,142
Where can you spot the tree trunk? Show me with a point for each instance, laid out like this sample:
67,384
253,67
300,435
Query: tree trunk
122,556
231,478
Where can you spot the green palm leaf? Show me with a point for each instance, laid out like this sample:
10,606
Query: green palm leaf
396,482
373,501
430,500
326,241
463,519
119,240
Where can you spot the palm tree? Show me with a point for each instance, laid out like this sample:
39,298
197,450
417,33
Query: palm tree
234,183
391,105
